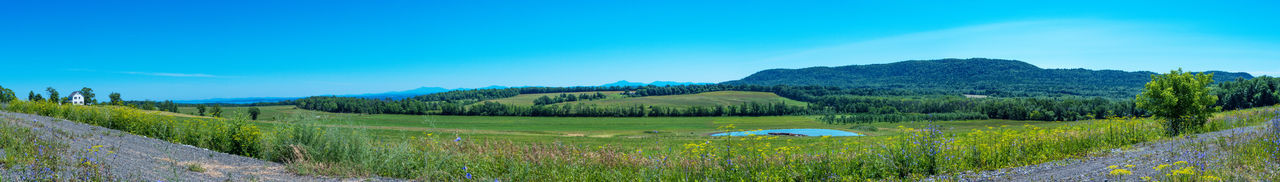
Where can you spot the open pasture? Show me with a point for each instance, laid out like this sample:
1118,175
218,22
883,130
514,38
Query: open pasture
527,99
700,99
616,131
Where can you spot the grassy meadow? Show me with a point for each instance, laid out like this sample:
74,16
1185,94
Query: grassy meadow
594,131
473,148
527,99
700,99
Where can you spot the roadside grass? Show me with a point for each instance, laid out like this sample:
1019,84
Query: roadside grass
195,168
30,158
22,151
230,136
1253,157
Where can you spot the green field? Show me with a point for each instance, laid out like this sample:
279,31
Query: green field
527,99
617,131
530,148
700,99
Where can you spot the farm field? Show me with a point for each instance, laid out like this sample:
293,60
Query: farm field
978,145
527,99
616,131
700,99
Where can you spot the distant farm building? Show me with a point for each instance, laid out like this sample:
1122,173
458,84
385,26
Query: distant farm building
76,98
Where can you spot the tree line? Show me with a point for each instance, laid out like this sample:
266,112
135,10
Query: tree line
900,117
566,97
592,110
831,100
1241,93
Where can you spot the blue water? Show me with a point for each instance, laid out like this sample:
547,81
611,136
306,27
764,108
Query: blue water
810,132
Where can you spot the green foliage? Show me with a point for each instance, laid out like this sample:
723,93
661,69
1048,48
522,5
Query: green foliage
1256,92
1245,154
88,95
167,105
115,99
7,95
1038,108
900,117
907,154
230,136
1181,98
201,109
885,105
33,96
25,151
995,77
545,100
216,111
53,95
253,112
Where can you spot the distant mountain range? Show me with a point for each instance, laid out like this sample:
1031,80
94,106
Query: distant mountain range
972,76
406,93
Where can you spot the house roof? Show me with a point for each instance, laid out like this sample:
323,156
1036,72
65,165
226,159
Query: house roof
75,93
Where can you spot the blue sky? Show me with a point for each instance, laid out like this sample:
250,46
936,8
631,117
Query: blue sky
220,49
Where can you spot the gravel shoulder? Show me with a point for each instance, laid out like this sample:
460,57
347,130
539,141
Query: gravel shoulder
128,157
1195,150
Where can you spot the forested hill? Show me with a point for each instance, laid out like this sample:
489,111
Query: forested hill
969,76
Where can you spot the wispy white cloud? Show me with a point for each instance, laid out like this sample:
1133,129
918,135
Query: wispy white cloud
170,74
1261,73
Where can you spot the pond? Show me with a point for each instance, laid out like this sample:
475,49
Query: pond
804,132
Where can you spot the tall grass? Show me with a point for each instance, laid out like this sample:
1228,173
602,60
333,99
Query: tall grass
21,151
912,154
1253,156
230,136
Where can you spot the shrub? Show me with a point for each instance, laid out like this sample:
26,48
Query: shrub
222,135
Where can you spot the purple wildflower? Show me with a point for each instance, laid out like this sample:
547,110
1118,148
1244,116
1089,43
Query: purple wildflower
457,139
468,175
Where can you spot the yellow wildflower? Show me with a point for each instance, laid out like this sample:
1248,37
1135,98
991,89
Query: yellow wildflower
1129,166
1112,167
1210,178
1160,167
1120,172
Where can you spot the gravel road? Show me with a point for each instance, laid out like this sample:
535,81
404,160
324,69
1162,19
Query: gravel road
129,157
1196,150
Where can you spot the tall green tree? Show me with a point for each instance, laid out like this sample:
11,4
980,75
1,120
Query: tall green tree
115,99
1180,98
254,112
200,108
1256,92
7,95
34,97
88,95
216,111
53,95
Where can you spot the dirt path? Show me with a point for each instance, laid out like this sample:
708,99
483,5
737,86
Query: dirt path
1143,158
128,157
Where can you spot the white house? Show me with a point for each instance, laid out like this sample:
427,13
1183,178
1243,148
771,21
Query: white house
76,98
